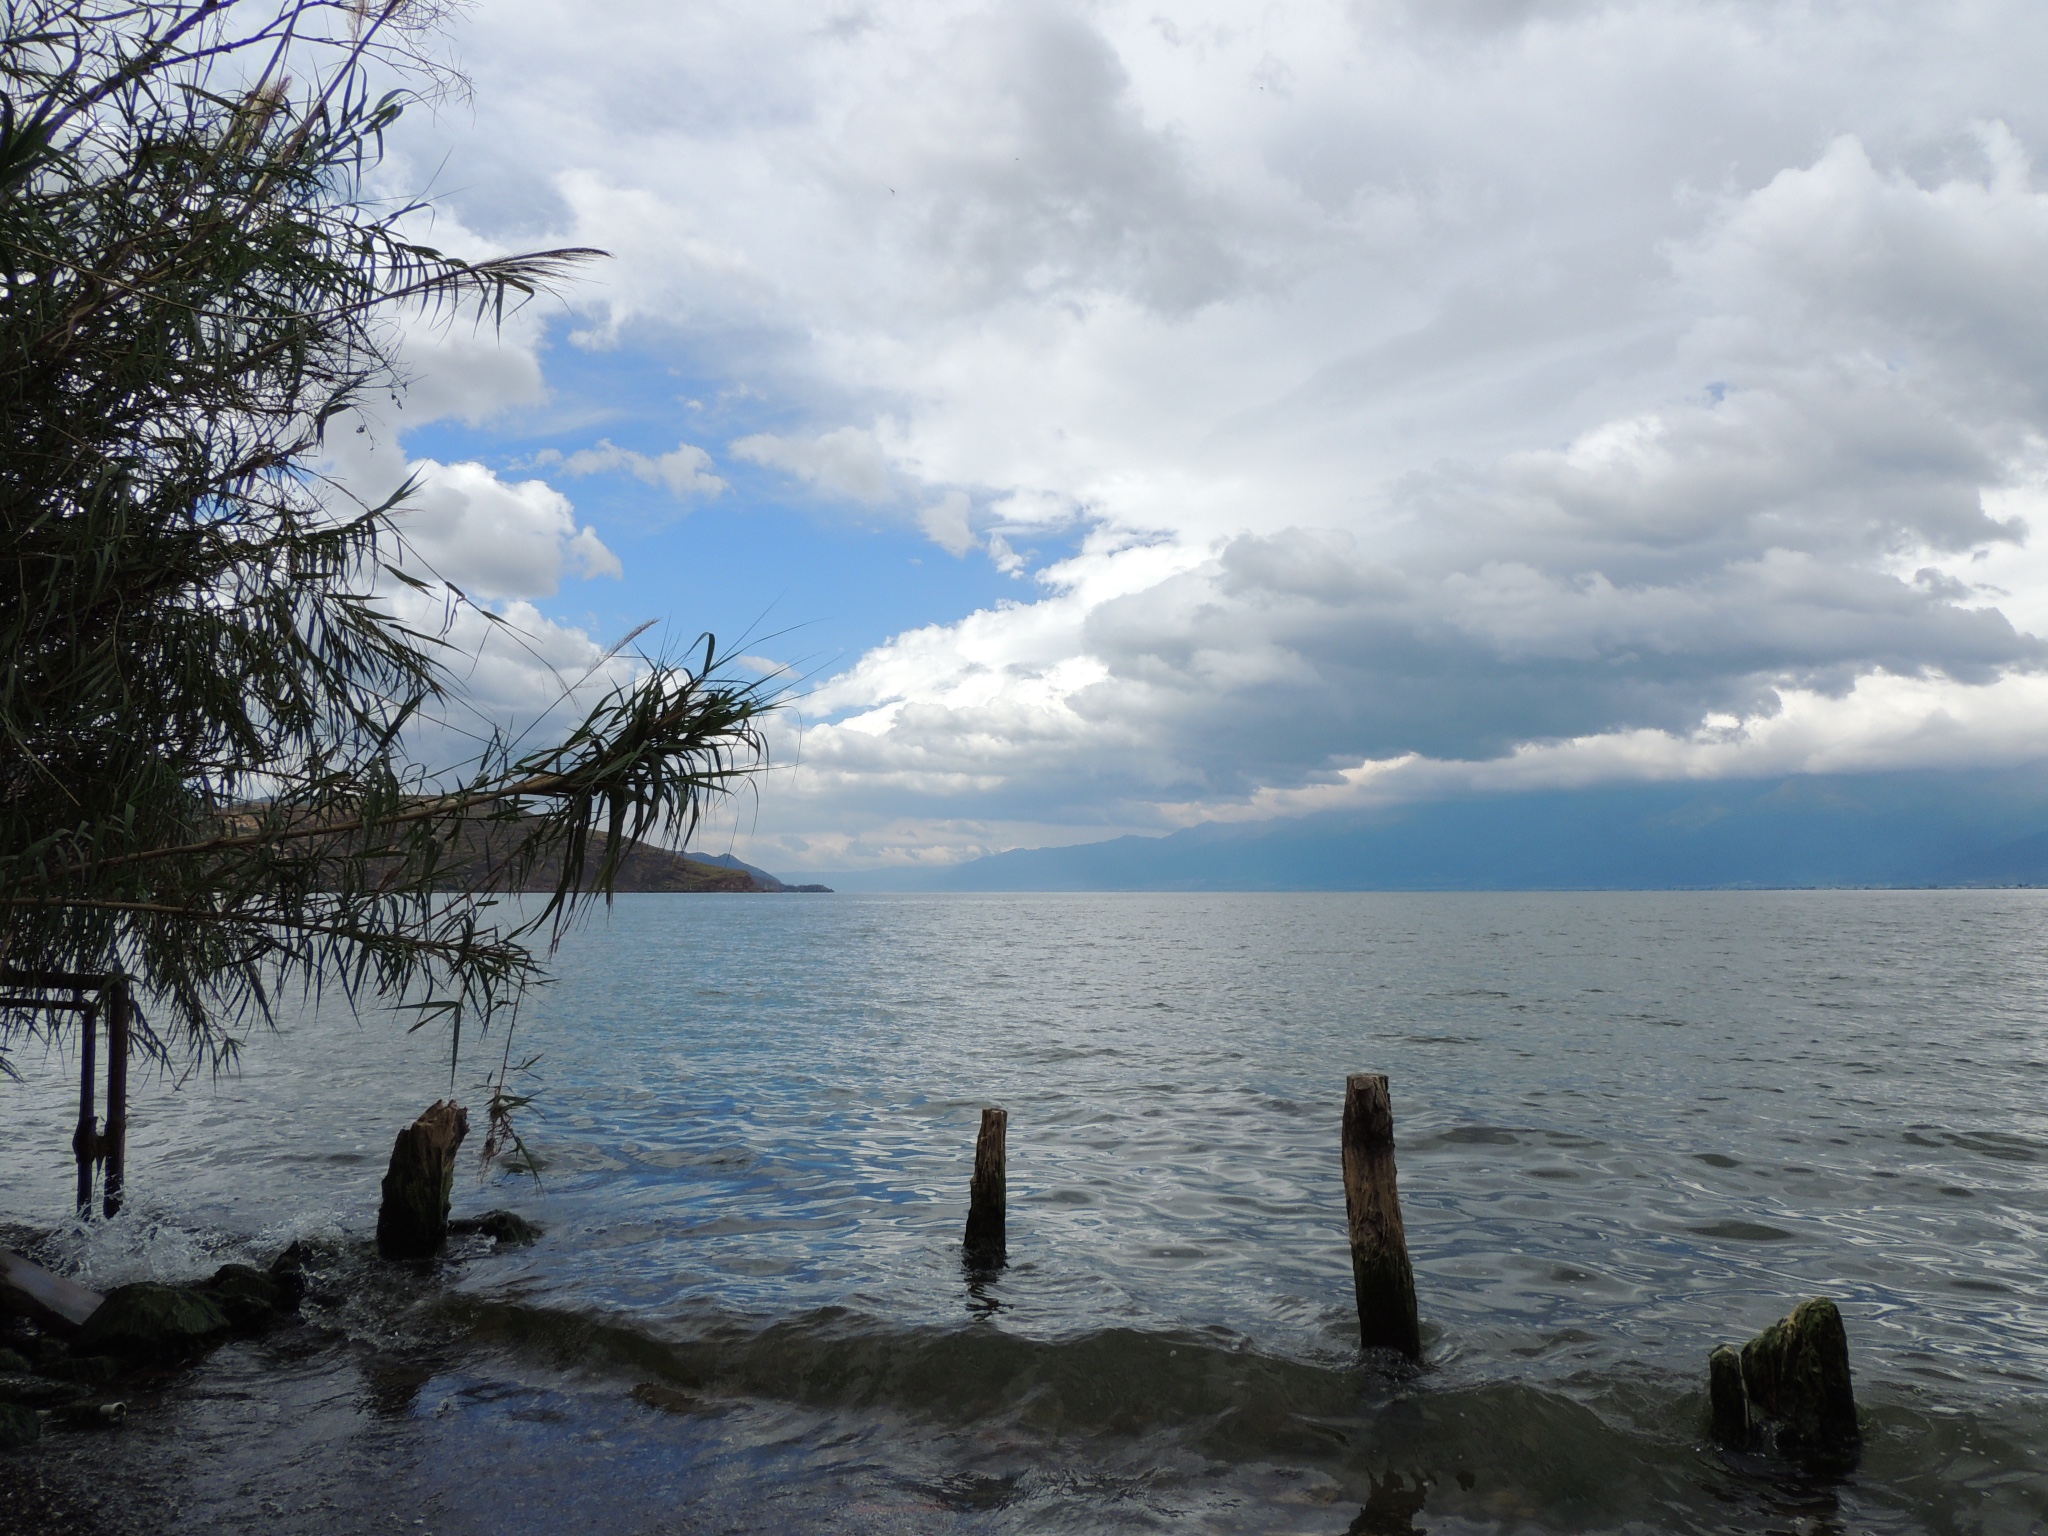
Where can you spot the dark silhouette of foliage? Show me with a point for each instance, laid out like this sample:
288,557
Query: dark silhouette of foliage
204,771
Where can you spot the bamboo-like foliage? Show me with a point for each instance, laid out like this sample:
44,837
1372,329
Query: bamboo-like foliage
203,776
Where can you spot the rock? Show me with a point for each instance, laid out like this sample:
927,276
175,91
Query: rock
1793,1395
293,1269
412,1223
251,1299
507,1227
84,1370
12,1364
150,1321
37,1391
18,1427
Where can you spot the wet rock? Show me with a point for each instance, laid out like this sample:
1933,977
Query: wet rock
252,1300
1390,1507
12,1364
153,1322
1793,1395
38,1391
84,1370
507,1227
18,1427
293,1270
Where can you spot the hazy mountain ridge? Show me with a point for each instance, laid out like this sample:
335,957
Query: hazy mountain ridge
1975,827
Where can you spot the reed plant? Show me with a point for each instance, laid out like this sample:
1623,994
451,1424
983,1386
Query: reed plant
212,665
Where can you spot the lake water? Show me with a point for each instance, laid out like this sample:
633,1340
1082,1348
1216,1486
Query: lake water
1630,1126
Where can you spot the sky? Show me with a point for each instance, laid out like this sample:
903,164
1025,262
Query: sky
1107,418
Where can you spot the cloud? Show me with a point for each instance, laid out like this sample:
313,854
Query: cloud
1488,383
685,470
845,462
495,538
945,524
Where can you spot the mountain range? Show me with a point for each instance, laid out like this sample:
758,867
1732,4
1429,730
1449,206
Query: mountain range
1980,827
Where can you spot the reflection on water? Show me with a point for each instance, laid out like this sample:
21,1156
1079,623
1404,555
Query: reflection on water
1630,1127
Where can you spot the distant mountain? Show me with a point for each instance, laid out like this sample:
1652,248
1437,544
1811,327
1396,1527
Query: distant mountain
1978,827
481,858
2024,862
645,868
761,878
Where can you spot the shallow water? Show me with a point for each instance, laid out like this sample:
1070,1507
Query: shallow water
1631,1126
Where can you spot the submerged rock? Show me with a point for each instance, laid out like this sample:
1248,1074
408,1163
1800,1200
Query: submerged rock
507,1227
251,1299
294,1269
1789,1390
38,1391
18,1427
84,1370
150,1321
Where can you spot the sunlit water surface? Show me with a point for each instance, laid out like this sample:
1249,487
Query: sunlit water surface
1631,1126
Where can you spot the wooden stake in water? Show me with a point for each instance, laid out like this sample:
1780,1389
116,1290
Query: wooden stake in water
1380,1271
986,1244
119,1008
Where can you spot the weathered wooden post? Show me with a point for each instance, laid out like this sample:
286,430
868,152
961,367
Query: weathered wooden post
986,1244
85,1139
1789,1389
412,1223
1729,1399
1380,1271
119,1007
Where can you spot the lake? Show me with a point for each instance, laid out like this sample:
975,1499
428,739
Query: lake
1631,1126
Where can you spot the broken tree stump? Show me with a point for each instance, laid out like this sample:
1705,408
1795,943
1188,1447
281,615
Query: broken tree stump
412,1223
1791,1391
1380,1271
986,1244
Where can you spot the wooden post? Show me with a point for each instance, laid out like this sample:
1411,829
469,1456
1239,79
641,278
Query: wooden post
119,1007
986,1244
1380,1271
1729,1399
412,1223
85,1139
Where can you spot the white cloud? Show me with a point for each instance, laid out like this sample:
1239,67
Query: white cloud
498,539
685,470
1488,382
845,462
945,524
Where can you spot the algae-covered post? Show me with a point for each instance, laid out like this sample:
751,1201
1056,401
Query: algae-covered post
986,1244
412,1223
1789,1389
1380,1271
119,1007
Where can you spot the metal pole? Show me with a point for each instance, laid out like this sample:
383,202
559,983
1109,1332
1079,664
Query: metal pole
85,1139
120,1014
